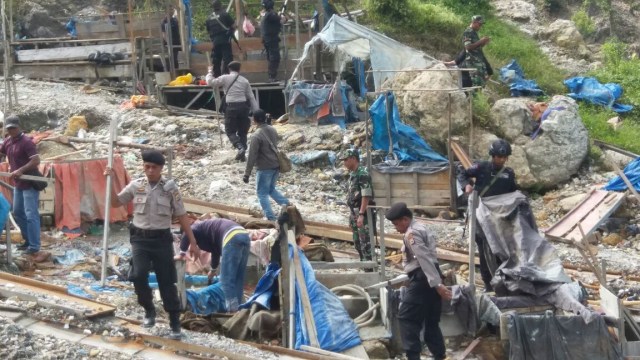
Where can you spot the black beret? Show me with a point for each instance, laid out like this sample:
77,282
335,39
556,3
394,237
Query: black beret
398,210
153,156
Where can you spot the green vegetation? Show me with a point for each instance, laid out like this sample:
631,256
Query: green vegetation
595,120
583,22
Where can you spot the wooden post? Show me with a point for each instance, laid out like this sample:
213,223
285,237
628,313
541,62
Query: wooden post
452,173
309,320
7,226
107,203
181,269
285,301
239,18
473,201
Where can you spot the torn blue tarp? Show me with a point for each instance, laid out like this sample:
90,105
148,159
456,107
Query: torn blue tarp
512,75
313,157
335,329
78,290
361,75
5,207
70,26
207,300
189,280
307,99
70,257
590,90
632,172
408,146
264,289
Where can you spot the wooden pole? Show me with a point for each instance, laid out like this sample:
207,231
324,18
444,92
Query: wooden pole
134,52
473,201
113,129
7,51
239,16
453,193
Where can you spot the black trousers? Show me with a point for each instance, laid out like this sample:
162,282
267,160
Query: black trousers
237,123
156,254
488,262
220,53
420,308
272,48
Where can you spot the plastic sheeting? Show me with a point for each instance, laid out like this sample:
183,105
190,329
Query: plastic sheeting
408,146
355,40
632,172
513,75
590,90
70,257
307,99
264,289
314,156
5,207
207,300
530,264
336,330
547,337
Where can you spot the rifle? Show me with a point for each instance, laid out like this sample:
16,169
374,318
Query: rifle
283,8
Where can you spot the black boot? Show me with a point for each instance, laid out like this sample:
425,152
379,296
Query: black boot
174,323
240,156
149,317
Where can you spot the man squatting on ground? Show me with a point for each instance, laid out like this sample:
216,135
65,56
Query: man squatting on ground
155,201
421,304
222,237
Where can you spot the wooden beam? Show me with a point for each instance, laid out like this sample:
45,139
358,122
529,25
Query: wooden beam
71,53
71,70
309,320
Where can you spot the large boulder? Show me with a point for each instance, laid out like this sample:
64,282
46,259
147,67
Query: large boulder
516,10
39,23
553,156
565,34
428,111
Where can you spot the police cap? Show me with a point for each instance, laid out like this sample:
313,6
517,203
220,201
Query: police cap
349,153
478,19
397,211
153,156
12,121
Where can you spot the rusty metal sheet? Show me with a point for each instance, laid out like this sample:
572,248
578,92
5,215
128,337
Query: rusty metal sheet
588,215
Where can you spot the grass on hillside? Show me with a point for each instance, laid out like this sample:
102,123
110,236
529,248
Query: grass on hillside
595,120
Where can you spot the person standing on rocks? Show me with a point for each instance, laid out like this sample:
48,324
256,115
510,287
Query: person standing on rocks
359,197
23,158
475,58
262,154
221,27
421,305
222,237
155,201
239,103
491,178
270,28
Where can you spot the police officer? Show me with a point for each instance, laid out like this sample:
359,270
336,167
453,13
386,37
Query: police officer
221,27
491,178
155,200
270,28
421,304
475,58
359,197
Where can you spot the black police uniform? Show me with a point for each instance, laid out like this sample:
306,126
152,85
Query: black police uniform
270,28
420,305
220,28
175,36
505,182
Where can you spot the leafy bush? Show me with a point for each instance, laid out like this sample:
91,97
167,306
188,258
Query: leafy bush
481,109
583,22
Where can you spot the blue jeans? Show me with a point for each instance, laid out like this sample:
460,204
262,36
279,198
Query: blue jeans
266,187
232,269
25,211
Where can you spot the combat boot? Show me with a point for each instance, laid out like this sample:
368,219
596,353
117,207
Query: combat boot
174,323
240,156
149,317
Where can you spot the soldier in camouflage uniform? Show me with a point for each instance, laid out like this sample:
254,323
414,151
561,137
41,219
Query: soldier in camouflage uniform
360,196
475,57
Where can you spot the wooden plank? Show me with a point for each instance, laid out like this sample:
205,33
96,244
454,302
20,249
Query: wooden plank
71,53
441,177
431,200
597,215
323,265
82,70
199,65
309,320
143,25
567,222
420,187
415,188
461,154
252,43
609,302
190,348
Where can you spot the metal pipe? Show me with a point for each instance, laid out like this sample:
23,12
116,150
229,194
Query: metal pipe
383,250
292,295
113,129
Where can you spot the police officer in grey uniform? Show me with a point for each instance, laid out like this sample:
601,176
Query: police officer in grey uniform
421,304
155,201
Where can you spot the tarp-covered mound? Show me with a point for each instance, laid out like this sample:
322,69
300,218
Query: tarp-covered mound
632,172
513,75
529,264
408,146
589,89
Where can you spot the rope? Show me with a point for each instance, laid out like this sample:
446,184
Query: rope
370,314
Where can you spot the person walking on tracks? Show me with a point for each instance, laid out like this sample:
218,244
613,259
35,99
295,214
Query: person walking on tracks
421,304
239,102
359,197
491,178
221,27
155,201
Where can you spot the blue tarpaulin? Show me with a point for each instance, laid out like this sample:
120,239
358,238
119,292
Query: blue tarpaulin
590,90
264,289
307,99
336,330
207,300
512,75
632,172
4,209
408,146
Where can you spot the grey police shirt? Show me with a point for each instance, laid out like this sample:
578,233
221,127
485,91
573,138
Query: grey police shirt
419,251
153,206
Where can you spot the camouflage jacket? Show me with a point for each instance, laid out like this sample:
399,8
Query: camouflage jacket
469,37
359,185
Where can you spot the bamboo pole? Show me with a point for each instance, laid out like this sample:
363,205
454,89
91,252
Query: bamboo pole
113,129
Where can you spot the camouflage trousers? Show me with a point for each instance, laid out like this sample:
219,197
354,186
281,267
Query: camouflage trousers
478,76
361,238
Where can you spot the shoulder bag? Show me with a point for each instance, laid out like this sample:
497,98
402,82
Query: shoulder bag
283,160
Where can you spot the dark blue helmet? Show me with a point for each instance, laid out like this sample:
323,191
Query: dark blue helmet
267,4
500,148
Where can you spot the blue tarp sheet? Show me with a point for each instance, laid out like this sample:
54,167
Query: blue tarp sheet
308,98
264,289
512,75
590,90
632,172
408,146
336,330
207,300
4,209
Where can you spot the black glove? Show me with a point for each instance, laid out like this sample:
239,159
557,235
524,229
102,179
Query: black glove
245,179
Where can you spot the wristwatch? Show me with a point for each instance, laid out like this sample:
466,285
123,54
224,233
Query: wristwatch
362,214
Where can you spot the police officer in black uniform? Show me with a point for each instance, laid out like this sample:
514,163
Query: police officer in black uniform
491,178
155,201
270,27
221,27
421,304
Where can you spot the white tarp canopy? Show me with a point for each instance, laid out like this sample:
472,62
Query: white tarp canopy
355,40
